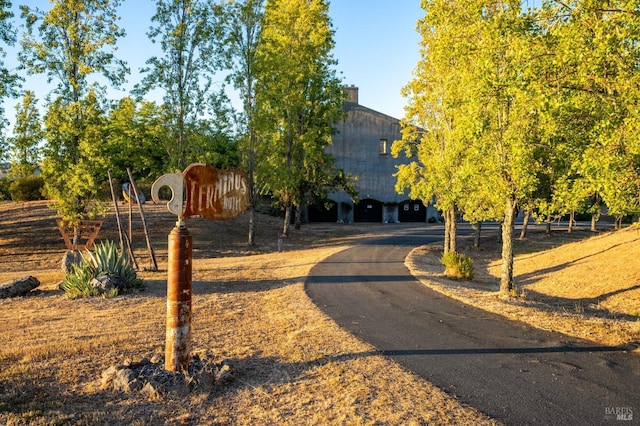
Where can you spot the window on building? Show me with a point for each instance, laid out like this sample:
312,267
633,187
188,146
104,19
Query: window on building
384,149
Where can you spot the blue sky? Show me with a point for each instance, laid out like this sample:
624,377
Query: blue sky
376,48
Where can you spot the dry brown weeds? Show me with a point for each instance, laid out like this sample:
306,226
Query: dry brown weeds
295,366
580,284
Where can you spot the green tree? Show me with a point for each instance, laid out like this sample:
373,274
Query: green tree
72,43
436,131
137,137
213,145
9,81
242,26
73,177
473,95
75,39
133,139
503,88
187,31
298,98
595,56
27,136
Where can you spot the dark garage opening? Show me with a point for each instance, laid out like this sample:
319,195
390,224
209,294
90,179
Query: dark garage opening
368,210
320,212
412,211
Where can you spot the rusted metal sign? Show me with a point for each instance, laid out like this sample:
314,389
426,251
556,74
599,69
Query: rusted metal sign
214,193
204,191
201,191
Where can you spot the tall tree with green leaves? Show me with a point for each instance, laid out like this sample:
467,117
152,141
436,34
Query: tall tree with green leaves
242,25
188,32
73,178
133,132
470,119
27,136
504,82
9,81
298,98
436,130
597,54
73,44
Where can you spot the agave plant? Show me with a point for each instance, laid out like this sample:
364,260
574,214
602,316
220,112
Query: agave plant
105,260
78,283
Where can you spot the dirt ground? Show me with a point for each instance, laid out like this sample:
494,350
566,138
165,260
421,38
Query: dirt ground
293,364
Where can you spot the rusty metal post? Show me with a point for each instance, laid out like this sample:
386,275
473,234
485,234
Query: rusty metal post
178,334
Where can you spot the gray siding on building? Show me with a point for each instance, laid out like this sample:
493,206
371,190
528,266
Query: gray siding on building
356,148
359,150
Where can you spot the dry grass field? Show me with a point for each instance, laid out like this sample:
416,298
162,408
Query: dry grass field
581,284
293,364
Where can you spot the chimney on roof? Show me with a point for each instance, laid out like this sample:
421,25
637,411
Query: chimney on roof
351,92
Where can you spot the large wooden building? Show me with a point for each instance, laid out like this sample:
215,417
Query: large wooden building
362,147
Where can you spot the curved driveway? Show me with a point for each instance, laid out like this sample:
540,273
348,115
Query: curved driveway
506,369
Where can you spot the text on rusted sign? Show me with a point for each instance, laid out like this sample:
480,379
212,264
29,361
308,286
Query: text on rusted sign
213,193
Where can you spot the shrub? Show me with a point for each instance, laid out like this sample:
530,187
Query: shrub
457,265
4,189
105,263
28,188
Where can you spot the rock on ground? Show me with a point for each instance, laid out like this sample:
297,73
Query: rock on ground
70,259
18,287
149,378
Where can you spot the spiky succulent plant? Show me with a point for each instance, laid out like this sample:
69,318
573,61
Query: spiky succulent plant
105,260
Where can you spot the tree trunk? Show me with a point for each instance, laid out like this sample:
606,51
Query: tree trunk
595,216
253,197
252,225
507,286
76,237
477,229
298,218
450,229
525,224
287,220
617,223
572,221
447,231
453,240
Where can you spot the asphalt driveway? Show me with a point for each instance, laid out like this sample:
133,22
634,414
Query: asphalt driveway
506,369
